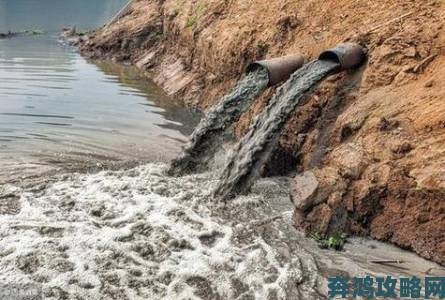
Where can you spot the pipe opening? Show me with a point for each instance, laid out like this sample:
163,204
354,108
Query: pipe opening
278,69
329,55
254,67
348,55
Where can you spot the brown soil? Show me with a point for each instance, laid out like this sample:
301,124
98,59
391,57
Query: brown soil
371,142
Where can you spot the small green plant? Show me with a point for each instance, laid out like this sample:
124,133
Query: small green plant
336,240
191,21
316,236
198,12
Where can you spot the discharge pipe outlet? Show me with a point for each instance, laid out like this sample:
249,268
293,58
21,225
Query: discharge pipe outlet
279,69
348,55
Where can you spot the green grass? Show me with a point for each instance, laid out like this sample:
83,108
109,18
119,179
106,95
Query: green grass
191,21
198,12
336,240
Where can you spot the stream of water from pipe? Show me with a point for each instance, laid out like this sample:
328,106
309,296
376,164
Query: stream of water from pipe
209,135
247,158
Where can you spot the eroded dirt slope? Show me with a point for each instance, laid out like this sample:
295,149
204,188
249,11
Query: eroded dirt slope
369,146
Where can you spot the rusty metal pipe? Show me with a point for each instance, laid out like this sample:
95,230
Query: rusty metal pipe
279,69
348,55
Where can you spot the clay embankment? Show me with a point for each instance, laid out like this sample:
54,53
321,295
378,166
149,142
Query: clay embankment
369,146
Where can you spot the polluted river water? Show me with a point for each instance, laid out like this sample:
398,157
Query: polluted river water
137,233
59,111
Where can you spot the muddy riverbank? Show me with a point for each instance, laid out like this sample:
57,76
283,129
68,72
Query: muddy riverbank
371,142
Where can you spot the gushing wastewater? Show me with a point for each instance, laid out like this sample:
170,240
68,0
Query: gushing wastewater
208,135
139,234
246,159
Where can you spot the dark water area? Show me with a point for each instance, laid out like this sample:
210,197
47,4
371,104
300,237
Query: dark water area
209,135
247,158
59,110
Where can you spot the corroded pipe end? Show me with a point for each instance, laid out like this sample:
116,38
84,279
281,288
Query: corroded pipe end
279,69
348,55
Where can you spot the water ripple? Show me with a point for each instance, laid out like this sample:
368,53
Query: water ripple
37,115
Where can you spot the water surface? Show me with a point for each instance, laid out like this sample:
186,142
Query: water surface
58,110
51,15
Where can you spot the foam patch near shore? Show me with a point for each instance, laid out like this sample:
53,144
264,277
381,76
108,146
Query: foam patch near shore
138,234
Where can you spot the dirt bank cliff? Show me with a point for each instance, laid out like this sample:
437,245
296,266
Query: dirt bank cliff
368,147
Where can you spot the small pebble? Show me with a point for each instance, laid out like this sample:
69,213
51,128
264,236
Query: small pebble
429,83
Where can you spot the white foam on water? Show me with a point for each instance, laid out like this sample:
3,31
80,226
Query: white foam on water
137,234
